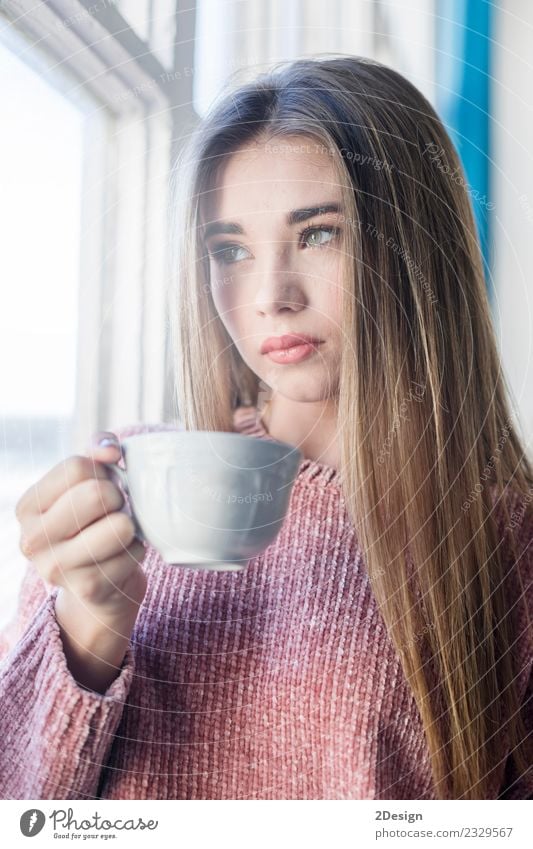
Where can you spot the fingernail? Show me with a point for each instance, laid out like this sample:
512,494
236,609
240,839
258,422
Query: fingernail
106,441
25,548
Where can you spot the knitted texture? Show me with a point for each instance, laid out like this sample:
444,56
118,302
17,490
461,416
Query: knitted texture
276,682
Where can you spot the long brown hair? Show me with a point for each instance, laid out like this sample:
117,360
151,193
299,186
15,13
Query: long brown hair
428,445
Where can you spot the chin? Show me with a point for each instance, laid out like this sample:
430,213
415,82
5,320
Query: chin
293,389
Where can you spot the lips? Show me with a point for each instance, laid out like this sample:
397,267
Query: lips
280,343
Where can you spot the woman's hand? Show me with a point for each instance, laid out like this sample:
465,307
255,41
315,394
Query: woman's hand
72,530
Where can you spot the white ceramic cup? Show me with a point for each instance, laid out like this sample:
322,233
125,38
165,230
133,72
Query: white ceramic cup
207,499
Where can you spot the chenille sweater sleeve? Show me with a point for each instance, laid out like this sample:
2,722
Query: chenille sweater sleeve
55,734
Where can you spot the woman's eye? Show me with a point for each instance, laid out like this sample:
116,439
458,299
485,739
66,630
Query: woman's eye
314,236
228,254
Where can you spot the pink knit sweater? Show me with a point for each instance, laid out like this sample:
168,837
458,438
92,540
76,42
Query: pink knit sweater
277,682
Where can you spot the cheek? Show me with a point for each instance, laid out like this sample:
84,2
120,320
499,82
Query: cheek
221,292
227,305
337,295
329,286
330,304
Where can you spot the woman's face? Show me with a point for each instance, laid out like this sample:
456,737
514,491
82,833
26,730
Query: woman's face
275,260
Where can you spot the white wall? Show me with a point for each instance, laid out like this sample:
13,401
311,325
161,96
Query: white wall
512,175
250,35
405,40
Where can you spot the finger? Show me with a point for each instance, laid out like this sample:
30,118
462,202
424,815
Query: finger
40,497
104,443
25,547
97,582
106,538
74,510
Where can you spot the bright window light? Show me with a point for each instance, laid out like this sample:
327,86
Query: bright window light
41,156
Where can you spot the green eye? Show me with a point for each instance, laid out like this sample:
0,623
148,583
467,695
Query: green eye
313,236
227,255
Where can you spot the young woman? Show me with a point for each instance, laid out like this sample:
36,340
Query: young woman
330,294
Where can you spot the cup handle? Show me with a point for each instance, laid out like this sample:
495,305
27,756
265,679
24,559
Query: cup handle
123,481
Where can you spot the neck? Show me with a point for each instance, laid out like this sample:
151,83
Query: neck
310,426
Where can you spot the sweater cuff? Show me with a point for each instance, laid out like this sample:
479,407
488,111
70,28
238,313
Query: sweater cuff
57,734
119,687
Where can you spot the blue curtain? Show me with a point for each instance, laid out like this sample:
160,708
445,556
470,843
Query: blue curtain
463,34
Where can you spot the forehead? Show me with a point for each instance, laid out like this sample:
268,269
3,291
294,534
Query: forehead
269,176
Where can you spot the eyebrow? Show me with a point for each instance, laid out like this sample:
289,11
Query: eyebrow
295,216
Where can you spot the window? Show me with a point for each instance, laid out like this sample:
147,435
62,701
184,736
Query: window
85,211
41,154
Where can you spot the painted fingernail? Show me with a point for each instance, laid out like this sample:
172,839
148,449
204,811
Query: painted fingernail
106,441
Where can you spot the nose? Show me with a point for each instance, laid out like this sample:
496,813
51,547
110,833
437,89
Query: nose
279,284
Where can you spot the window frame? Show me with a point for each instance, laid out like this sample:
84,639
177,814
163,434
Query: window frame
87,51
